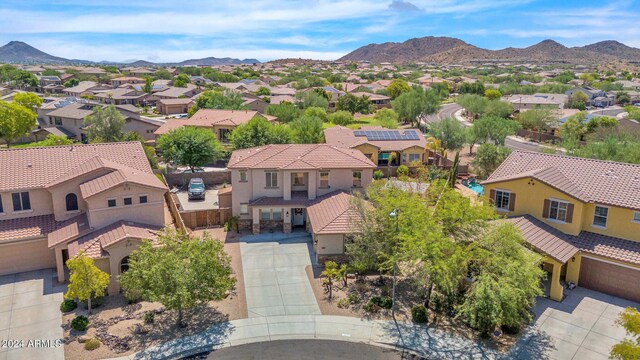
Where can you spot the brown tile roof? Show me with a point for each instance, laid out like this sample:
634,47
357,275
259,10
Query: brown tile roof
76,110
38,167
332,213
298,157
544,238
120,176
96,244
27,228
69,229
344,137
607,246
209,118
179,101
588,180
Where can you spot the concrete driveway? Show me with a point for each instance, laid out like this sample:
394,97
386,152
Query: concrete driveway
30,315
582,327
210,200
274,277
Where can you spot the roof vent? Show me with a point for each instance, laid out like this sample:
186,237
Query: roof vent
29,165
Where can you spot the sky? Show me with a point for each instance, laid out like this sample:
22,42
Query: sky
170,30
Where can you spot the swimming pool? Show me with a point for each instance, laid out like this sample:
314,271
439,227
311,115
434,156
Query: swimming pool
477,188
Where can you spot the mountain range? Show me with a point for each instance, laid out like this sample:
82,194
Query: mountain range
18,52
447,50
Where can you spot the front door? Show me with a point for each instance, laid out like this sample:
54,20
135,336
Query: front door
298,217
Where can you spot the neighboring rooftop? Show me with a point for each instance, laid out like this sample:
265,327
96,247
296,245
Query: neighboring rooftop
384,139
212,117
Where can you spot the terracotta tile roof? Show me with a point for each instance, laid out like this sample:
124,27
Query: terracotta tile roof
210,118
544,238
96,244
332,213
76,110
38,167
344,137
27,228
607,246
299,157
68,230
122,175
589,180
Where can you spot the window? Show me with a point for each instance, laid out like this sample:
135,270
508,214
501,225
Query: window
502,199
636,215
272,179
265,214
1,208
72,202
357,178
21,201
324,179
128,201
143,199
298,179
558,210
243,176
600,216
58,121
124,265
111,202
224,135
276,214
244,208
415,157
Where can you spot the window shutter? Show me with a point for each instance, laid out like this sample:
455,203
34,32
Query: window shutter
492,196
512,201
569,213
545,210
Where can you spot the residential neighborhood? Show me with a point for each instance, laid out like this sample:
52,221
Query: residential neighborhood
422,199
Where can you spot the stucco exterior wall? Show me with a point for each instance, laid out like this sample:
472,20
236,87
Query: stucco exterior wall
369,149
619,222
59,193
144,129
151,213
330,244
40,200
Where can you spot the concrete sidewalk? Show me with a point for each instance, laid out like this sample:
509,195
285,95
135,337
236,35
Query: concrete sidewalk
423,340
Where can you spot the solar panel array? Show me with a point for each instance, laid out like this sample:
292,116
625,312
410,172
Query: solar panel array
382,135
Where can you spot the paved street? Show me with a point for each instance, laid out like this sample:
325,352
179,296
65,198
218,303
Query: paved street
29,311
274,276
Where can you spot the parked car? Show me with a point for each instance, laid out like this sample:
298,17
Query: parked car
195,170
196,189
636,104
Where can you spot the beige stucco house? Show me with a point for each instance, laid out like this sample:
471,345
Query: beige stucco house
308,186
58,201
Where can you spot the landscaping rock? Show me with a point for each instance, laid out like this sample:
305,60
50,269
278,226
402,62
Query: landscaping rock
83,339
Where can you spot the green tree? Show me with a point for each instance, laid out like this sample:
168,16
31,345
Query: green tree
623,98
628,349
313,98
149,151
227,100
181,80
473,104
449,132
597,122
29,100
86,281
573,128
286,112
23,79
181,273
51,140
307,130
489,157
15,121
415,103
498,108
316,112
387,118
263,90
257,132
148,85
492,129
577,100
397,88
341,117
492,94
50,72
538,119
104,125
71,82
354,104
189,146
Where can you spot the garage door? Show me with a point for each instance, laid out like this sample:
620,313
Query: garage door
25,256
610,278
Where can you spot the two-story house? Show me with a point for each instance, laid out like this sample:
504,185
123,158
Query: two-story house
281,187
582,214
57,201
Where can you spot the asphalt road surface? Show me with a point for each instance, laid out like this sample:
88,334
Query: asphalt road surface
305,349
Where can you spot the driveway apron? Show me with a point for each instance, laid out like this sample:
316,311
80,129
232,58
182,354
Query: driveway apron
274,274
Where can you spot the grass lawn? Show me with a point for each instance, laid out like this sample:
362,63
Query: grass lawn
363,121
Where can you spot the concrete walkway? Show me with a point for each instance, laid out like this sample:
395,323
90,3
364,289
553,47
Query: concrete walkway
274,277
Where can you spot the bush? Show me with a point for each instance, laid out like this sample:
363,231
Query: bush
92,344
341,117
378,174
384,302
403,170
419,314
354,297
149,318
68,305
80,323
371,307
131,295
343,303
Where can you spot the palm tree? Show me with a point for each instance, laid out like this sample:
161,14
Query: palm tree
330,272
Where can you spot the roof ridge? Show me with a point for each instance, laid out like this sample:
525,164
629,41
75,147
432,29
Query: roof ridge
573,157
304,154
350,153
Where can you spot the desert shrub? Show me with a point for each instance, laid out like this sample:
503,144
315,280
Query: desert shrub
80,323
341,118
371,307
354,297
403,170
68,305
131,295
92,344
343,303
149,318
384,302
419,314
378,174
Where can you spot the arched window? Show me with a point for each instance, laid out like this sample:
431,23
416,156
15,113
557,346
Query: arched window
124,265
72,202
